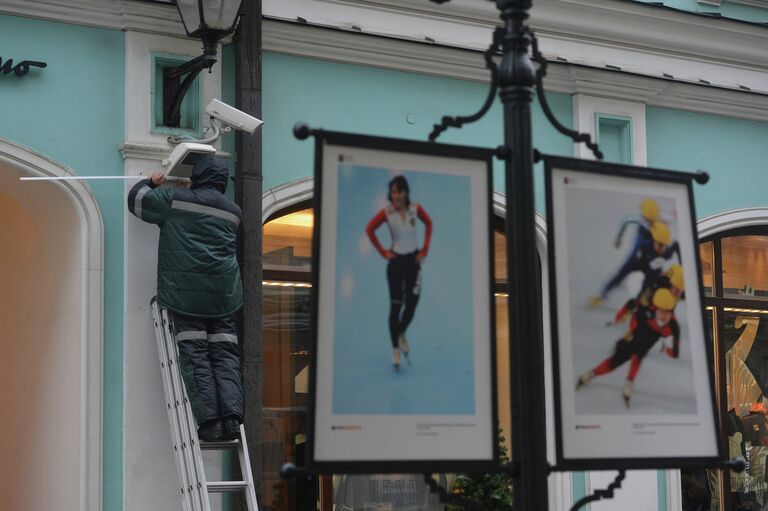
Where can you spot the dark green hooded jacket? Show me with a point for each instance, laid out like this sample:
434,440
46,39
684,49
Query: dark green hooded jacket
197,270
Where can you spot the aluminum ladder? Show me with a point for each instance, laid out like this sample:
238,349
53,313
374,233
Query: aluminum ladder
195,487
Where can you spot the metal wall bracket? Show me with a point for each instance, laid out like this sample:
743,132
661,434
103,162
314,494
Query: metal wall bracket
174,89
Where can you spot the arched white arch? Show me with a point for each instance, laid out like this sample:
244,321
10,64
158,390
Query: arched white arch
733,219
29,163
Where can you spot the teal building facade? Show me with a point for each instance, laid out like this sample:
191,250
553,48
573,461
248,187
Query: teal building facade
683,85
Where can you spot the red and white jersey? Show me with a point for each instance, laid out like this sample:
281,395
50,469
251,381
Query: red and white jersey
402,228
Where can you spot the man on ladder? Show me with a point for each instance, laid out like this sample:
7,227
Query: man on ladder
198,282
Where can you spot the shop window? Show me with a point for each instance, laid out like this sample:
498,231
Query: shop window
288,242
189,123
745,267
500,257
287,250
735,279
707,260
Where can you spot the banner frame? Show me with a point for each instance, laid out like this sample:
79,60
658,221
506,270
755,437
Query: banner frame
364,466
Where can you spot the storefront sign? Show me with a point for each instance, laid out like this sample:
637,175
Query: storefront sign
404,338
631,366
21,68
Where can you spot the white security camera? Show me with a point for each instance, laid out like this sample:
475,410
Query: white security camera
184,156
232,117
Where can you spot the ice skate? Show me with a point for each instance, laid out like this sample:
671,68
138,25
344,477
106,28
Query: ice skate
396,359
627,392
405,349
596,301
584,379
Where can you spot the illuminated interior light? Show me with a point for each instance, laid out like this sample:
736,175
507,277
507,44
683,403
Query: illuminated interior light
750,311
298,219
284,284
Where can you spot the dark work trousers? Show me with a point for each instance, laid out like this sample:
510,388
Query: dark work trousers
404,278
209,359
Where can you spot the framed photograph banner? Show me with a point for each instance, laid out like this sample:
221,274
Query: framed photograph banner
403,322
632,368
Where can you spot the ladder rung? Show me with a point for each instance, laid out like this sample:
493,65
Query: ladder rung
227,444
225,486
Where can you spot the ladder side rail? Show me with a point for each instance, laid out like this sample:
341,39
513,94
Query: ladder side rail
190,432
186,422
186,495
246,473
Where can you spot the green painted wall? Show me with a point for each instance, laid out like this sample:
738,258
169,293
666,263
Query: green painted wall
73,111
376,101
733,151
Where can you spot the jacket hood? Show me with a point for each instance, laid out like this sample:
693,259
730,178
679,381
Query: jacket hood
210,172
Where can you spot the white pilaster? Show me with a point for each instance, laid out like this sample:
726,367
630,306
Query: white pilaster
150,480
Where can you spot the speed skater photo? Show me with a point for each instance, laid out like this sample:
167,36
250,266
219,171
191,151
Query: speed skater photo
631,367
649,323
628,297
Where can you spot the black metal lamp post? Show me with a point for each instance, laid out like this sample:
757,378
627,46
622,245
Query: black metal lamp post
517,79
209,21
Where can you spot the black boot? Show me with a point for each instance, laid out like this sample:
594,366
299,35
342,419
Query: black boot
231,428
211,431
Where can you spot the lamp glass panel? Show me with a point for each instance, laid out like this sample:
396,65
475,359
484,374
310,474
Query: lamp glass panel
221,14
190,14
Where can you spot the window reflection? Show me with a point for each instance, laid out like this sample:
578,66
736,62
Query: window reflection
700,487
504,397
385,492
286,378
500,257
288,242
745,341
707,262
745,267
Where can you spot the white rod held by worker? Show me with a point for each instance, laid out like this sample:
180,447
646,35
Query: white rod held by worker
77,178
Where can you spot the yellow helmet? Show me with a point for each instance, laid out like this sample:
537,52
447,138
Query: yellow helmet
649,208
660,233
676,276
663,299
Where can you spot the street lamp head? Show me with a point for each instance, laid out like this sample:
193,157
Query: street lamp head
209,20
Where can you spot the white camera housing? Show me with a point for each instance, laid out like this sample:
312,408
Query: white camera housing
232,117
184,156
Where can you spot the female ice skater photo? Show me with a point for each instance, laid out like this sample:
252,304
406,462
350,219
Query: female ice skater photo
404,260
